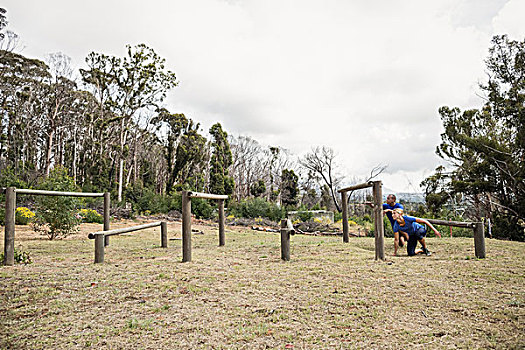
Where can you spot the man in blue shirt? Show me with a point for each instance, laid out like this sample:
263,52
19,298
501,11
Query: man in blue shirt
399,240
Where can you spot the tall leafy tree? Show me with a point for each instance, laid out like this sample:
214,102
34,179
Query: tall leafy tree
289,188
221,159
486,147
126,85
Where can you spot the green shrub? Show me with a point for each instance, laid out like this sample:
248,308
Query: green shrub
305,216
57,216
20,257
23,216
91,216
256,207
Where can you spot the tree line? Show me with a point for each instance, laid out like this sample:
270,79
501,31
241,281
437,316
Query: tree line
107,125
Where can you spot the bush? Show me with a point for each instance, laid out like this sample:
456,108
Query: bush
20,257
23,216
256,207
305,216
57,216
90,216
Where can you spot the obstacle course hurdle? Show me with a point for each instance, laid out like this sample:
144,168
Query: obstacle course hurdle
101,236
477,227
378,214
10,207
186,220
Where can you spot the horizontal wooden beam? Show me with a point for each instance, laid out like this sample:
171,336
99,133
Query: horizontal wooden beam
356,187
119,231
57,193
452,223
206,195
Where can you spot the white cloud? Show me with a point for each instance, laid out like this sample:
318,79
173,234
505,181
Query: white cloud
365,78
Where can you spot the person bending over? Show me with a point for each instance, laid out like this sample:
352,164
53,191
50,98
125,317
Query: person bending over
388,207
412,227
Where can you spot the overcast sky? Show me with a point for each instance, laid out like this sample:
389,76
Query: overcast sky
363,77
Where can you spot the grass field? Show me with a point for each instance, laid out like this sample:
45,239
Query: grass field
242,296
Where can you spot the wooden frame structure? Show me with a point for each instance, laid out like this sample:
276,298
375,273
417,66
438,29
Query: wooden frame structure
378,214
477,227
186,220
100,237
10,207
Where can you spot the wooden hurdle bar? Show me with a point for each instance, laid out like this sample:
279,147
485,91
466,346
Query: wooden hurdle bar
186,219
378,214
10,207
100,237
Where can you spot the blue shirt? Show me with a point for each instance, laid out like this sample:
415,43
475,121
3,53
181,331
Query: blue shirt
389,214
411,226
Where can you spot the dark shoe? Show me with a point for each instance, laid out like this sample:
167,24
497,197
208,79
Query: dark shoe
426,252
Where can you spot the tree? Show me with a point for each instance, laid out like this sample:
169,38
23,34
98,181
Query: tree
221,159
258,188
289,188
56,216
321,161
486,147
126,85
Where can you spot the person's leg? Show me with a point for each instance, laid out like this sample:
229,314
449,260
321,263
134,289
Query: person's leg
411,245
421,233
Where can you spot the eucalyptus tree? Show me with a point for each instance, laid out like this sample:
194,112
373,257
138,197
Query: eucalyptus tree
124,86
221,159
321,161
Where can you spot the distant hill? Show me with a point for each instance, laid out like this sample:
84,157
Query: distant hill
412,197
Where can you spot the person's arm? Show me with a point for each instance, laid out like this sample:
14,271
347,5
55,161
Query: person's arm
426,222
386,211
396,242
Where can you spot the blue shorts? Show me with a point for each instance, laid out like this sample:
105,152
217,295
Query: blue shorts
413,238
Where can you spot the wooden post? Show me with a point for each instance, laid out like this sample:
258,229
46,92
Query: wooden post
186,227
285,240
378,220
164,234
344,202
107,205
9,236
99,248
222,237
479,240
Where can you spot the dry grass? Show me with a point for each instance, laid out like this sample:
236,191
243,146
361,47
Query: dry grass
329,296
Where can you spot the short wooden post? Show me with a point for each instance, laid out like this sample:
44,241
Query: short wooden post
344,203
9,236
378,220
164,234
222,237
99,248
479,240
186,227
107,205
285,240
